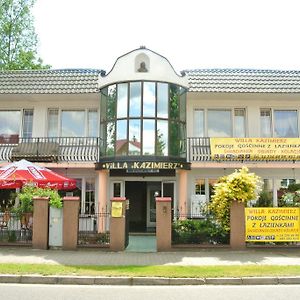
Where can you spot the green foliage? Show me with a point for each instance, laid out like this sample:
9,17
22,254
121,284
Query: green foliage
198,232
18,44
293,187
240,186
265,199
7,199
28,192
290,199
290,196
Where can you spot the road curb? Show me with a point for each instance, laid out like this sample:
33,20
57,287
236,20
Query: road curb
91,280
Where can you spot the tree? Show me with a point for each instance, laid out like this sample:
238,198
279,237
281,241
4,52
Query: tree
240,186
18,44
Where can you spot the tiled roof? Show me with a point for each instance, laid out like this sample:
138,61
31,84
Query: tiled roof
65,81
74,81
243,81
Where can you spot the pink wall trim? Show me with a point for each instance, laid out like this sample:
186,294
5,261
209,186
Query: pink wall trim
163,199
118,199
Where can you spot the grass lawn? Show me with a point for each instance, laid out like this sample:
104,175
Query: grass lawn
157,271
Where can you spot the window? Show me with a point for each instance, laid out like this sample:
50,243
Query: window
200,187
148,137
239,122
265,122
12,122
89,207
92,124
134,143
162,100
150,119
220,122
27,123
122,100
135,99
285,123
52,122
286,182
72,123
199,123
117,189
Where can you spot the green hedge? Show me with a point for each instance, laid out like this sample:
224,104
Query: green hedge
194,231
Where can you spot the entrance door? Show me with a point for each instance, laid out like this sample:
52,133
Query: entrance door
158,189
135,192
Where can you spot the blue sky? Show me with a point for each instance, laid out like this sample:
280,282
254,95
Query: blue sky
256,34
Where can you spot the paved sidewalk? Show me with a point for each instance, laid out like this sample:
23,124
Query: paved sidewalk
194,257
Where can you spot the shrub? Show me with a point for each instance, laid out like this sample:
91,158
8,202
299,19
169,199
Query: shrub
28,192
198,231
240,186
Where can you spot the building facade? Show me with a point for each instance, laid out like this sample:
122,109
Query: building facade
141,130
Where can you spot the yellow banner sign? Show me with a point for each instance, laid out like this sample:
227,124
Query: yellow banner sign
272,224
255,148
116,209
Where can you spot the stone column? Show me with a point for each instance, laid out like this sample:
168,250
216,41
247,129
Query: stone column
163,223
117,224
237,225
182,194
40,222
70,222
102,199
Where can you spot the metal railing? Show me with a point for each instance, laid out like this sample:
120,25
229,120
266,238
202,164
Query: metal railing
60,149
198,149
94,230
13,231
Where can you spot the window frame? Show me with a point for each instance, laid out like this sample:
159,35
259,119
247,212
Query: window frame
22,111
86,120
232,121
272,119
142,117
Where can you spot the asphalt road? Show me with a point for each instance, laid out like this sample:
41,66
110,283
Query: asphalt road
78,292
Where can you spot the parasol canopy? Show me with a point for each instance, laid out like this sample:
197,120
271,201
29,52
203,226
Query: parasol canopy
23,172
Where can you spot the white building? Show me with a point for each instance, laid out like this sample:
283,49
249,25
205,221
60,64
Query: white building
142,129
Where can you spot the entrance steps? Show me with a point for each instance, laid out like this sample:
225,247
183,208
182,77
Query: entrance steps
141,242
142,233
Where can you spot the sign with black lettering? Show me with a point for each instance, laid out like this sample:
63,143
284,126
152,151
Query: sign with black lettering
272,224
142,165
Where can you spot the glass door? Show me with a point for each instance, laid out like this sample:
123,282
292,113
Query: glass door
153,191
158,189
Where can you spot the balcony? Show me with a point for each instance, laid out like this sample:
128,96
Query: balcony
60,149
199,149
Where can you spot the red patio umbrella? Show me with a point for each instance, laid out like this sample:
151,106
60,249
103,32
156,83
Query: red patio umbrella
22,172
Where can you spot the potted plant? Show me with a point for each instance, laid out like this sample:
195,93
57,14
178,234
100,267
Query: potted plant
25,208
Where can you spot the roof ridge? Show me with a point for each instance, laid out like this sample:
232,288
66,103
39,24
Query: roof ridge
46,71
240,70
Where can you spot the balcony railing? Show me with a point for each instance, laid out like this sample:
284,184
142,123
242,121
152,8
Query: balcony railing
87,149
198,149
59,149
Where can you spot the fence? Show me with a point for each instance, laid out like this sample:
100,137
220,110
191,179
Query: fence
13,231
94,230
